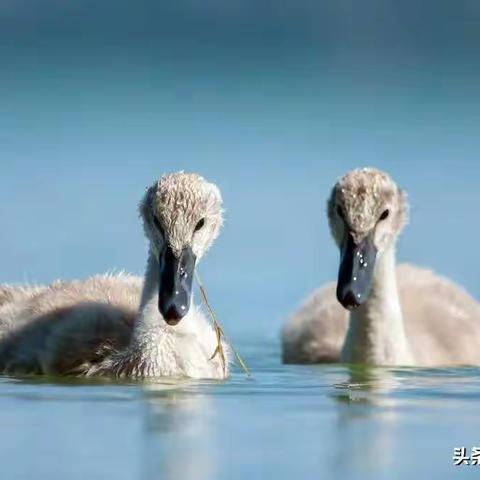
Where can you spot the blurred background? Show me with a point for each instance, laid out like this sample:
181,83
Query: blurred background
272,100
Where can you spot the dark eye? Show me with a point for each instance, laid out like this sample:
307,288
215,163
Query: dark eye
340,211
200,224
157,223
385,214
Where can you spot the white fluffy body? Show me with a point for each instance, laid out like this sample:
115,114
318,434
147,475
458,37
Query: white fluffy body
411,317
110,325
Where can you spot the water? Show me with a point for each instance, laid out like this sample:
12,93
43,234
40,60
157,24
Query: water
285,422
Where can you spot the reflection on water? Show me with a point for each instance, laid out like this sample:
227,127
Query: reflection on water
366,422
177,435
286,422
364,384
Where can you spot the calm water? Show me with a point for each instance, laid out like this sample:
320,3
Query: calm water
287,421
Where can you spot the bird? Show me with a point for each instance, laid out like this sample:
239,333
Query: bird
119,325
378,313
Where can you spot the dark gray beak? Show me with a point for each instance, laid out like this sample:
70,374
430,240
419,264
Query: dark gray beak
355,275
175,292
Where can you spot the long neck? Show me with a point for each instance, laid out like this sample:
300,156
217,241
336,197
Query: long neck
376,332
140,358
148,315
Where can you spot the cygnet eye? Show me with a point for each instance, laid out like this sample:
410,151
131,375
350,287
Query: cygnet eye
200,224
340,212
157,223
385,214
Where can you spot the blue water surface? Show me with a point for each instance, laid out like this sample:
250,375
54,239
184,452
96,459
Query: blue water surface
286,421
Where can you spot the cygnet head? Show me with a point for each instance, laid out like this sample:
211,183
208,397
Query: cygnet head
366,213
182,216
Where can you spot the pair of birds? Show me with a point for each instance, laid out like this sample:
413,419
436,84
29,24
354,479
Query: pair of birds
121,326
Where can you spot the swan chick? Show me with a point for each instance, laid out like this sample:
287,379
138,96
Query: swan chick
119,325
377,313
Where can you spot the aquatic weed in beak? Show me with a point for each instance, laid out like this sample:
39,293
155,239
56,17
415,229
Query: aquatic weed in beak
219,333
